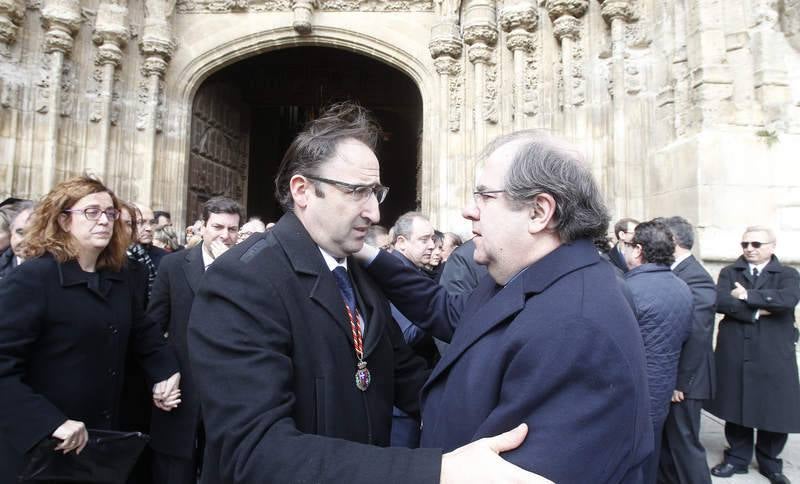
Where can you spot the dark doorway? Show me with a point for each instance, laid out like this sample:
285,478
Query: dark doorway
275,94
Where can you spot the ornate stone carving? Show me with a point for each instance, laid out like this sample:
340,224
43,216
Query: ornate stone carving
790,21
68,82
637,35
519,41
456,98
109,28
566,8
108,54
11,14
94,92
302,16
156,38
228,6
445,40
566,26
154,66
521,15
143,113
10,94
446,66
490,95
530,97
578,79
480,34
613,9
61,19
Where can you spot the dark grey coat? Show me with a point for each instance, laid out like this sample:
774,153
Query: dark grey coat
757,381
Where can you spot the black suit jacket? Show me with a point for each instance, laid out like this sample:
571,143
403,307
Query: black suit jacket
272,354
616,257
696,367
178,279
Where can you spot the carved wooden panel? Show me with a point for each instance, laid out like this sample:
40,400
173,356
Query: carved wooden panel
220,146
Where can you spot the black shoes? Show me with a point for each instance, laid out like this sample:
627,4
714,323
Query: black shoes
776,478
726,469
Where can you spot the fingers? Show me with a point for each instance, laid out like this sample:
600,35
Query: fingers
509,440
738,286
73,435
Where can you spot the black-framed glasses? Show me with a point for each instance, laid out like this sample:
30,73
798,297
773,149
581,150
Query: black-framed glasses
93,213
359,193
483,195
755,244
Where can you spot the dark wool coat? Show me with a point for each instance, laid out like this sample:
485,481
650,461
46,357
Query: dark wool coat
663,308
557,348
757,381
63,339
272,356
179,276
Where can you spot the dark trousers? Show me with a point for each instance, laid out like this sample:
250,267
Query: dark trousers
768,446
651,464
168,469
683,458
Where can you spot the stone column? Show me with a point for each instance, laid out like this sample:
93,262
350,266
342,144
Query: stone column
480,34
770,76
617,13
11,14
445,48
111,35
565,15
61,20
156,47
518,21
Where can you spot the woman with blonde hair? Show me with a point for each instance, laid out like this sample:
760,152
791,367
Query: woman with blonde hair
67,317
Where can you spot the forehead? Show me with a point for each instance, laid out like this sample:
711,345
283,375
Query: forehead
420,226
353,159
102,199
227,219
146,212
756,236
21,218
494,169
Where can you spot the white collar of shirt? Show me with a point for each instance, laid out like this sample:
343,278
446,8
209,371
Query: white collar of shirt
760,267
207,259
680,259
331,261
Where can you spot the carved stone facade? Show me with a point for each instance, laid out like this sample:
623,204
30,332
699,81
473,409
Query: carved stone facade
681,107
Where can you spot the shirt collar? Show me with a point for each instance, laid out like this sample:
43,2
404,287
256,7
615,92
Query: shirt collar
760,267
680,259
207,259
331,261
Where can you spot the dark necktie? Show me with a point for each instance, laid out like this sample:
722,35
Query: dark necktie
345,287
755,273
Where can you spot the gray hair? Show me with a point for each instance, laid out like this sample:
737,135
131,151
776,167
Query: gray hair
761,228
542,164
404,225
373,232
682,231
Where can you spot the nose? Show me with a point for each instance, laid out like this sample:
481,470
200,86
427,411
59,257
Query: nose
371,210
471,212
103,218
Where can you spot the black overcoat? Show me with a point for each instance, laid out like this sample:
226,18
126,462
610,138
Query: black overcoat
272,357
63,339
178,278
757,381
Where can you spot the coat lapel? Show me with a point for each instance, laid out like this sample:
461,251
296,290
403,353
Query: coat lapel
193,267
767,275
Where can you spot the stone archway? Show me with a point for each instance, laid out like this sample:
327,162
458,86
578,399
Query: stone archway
245,115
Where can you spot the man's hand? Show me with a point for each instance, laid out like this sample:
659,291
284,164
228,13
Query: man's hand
73,435
367,254
763,312
677,396
739,292
167,393
480,463
217,248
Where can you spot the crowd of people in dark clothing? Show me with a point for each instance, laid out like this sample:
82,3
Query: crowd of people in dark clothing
97,295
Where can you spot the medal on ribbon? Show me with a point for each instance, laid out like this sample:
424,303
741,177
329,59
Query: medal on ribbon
362,375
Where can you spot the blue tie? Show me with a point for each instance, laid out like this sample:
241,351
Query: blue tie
345,287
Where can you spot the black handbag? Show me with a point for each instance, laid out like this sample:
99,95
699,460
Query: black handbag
107,458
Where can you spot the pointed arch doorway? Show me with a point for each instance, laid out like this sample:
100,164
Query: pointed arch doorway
245,115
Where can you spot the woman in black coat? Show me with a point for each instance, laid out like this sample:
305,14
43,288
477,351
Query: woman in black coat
67,317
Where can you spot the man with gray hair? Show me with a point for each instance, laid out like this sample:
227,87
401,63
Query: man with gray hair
757,382
683,457
19,214
565,351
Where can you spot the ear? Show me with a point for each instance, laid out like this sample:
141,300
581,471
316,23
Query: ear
300,188
541,213
64,221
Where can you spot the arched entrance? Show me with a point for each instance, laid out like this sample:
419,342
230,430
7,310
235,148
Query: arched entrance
245,115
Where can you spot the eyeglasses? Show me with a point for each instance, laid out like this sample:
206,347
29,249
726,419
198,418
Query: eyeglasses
756,245
484,195
359,193
93,213
141,221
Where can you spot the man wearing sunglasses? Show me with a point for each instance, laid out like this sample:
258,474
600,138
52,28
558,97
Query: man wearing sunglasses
757,380
295,354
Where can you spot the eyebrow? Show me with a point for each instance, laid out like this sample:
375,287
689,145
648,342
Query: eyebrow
480,188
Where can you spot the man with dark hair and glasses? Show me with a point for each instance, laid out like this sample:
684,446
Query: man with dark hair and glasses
293,349
757,380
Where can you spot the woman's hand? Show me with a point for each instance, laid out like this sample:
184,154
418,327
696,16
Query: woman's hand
73,435
167,393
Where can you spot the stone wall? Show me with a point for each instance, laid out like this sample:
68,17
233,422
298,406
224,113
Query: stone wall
685,106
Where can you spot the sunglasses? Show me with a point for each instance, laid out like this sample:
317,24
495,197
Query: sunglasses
756,245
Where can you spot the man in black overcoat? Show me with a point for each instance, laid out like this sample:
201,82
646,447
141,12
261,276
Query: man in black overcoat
683,457
177,440
295,355
623,231
757,381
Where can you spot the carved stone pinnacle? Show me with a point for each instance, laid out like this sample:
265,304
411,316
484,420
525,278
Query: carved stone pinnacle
479,53
110,25
446,66
154,66
560,8
108,53
480,34
519,40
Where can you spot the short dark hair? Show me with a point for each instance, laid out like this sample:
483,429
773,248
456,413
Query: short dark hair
161,213
658,246
221,205
543,164
622,225
682,231
318,141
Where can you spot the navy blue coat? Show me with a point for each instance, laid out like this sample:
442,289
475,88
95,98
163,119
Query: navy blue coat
557,348
663,308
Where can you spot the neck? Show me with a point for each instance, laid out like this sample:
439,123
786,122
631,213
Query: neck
88,260
544,244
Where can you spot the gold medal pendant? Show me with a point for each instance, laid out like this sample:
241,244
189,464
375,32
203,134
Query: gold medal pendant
363,378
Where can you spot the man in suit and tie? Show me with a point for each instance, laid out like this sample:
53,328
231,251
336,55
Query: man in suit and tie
295,355
757,381
623,230
177,438
547,338
683,458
